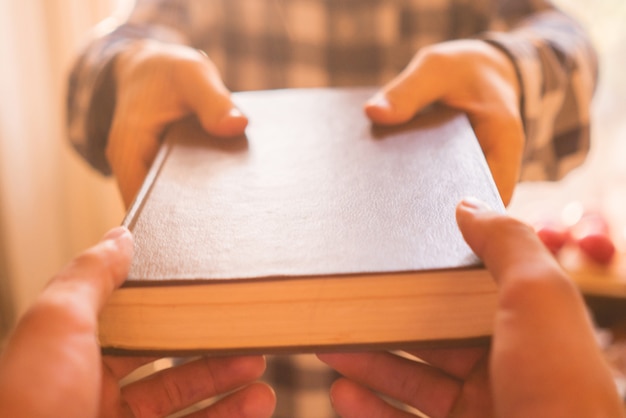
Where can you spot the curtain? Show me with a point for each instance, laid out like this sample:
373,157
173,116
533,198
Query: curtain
52,203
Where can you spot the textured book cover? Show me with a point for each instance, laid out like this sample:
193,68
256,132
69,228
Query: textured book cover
313,192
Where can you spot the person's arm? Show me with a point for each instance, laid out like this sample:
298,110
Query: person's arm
543,361
51,364
91,86
129,84
526,88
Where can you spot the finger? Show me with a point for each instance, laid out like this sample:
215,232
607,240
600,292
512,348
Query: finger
509,248
537,301
205,94
540,310
417,86
413,383
158,84
121,366
176,388
501,137
497,127
80,290
89,279
474,77
254,401
457,362
130,151
495,116
55,341
351,400
177,80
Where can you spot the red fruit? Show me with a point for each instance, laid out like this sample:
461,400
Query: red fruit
553,237
592,235
598,247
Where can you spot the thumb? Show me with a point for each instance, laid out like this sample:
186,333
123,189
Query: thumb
205,93
417,86
88,280
509,248
54,345
540,311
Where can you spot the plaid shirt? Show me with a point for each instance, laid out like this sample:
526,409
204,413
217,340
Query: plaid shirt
262,44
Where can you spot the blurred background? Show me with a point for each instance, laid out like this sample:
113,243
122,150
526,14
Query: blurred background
52,204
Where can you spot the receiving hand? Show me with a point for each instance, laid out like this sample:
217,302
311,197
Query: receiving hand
472,76
543,360
157,84
51,365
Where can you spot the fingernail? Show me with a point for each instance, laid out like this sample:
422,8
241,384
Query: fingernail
115,233
233,113
474,204
379,100
232,123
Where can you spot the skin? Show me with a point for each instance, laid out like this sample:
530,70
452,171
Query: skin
543,360
158,84
52,367
472,76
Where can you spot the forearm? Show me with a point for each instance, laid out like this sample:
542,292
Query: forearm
557,68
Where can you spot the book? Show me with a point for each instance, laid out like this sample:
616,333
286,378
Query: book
314,231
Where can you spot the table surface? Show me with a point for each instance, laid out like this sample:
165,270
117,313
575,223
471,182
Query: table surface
596,279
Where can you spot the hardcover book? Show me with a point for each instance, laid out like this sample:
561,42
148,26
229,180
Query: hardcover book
314,231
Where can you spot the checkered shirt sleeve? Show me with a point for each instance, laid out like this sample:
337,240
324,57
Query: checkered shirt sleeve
557,67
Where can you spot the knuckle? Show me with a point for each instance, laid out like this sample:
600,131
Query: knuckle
60,308
506,226
451,53
537,283
172,390
432,56
96,263
95,259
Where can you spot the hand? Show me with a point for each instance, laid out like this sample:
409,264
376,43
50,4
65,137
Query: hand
543,360
472,76
157,84
51,365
